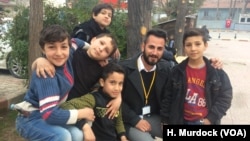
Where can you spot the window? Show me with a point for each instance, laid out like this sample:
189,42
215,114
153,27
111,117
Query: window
244,18
248,20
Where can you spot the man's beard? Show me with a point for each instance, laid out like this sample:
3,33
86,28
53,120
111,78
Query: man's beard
146,59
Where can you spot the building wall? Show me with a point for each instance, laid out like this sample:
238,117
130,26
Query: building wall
207,16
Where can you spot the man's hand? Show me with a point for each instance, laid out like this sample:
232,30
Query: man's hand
43,66
206,122
88,133
113,107
216,63
143,125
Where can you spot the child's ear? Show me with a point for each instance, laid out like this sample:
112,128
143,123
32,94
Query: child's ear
93,15
101,82
43,52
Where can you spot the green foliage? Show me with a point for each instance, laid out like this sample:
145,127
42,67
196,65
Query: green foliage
7,126
83,9
62,16
170,8
193,7
118,29
18,35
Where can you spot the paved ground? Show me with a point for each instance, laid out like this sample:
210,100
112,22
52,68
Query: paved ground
233,51
11,89
236,58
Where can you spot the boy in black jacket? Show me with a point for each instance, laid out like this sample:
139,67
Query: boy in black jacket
197,93
102,15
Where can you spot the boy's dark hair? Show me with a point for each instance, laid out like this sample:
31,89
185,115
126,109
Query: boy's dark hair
113,41
53,33
97,9
110,68
156,32
194,32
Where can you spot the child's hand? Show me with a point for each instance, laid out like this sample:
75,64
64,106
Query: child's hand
103,62
116,55
86,113
124,138
88,133
43,66
113,107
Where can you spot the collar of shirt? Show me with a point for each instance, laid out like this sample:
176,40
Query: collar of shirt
141,66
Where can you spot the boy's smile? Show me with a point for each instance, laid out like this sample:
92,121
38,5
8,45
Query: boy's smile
57,53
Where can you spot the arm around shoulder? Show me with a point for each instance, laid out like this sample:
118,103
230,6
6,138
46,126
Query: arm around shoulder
43,67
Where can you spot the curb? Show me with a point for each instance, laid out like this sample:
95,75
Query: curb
5,102
228,39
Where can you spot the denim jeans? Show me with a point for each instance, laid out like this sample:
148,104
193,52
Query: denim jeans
34,128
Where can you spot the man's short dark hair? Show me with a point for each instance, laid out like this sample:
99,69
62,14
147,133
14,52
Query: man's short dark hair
156,32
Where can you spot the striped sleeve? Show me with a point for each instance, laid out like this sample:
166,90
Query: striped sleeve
49,96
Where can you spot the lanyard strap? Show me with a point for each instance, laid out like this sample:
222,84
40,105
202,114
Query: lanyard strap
146,94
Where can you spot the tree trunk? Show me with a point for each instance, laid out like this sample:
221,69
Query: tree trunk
230,9
217,10
139,19
245,3
234,9
180,26
35,26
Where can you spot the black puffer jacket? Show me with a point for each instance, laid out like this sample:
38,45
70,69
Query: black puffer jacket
218,93
87,30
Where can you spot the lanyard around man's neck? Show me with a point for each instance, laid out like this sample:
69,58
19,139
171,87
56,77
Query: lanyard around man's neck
146,93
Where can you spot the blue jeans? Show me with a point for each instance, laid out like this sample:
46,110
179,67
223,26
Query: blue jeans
34,128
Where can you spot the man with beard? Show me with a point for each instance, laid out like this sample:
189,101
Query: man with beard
144,87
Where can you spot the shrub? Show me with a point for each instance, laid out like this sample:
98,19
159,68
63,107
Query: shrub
18,34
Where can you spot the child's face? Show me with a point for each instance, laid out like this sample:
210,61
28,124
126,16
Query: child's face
113,84
100,48
57,53
103,18
194,47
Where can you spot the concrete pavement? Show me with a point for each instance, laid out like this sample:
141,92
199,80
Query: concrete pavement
11,90
219,34
233,48
234,53
236,58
